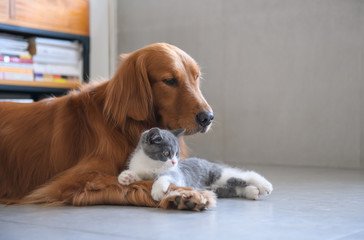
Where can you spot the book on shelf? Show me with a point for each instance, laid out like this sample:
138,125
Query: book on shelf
8,41
39,77
16,76
16,73
16,53
16,70
55,60
54,42
40,59
53,51
17,65
13,45
7,36
15,59
57,69
56,57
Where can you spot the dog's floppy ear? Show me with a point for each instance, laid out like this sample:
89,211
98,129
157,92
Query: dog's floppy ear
128,93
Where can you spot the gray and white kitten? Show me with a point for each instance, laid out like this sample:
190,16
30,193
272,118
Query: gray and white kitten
157,158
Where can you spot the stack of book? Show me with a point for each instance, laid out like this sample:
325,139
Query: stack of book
15,61
56,60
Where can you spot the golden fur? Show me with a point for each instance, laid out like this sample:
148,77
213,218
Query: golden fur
69,150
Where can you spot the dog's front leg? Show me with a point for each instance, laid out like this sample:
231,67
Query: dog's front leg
91,184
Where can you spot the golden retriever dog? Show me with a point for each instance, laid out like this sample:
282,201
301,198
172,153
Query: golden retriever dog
69,150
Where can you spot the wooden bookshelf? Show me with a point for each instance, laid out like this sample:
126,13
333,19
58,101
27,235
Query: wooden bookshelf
68,16
62,19
36,90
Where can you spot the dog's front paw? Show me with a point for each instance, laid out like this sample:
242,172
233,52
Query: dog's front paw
187,199
260,184
127,177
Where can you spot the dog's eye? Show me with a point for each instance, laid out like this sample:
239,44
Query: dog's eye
171,82
166,153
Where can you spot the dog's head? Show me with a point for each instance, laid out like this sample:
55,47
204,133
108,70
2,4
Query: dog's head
159,81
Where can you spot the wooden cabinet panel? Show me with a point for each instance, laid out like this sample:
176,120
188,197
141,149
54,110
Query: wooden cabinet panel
69,16
4,10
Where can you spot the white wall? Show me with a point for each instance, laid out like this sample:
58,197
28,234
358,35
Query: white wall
284,77
103,28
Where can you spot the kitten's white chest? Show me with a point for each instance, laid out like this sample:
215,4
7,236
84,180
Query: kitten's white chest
144,166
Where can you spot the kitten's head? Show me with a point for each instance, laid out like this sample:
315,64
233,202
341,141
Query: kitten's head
162,145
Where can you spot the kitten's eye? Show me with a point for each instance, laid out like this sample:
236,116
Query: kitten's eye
171,82
166,153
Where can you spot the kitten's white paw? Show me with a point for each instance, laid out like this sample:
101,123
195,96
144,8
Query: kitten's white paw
160,187
127,177
252,192
263,185
248,192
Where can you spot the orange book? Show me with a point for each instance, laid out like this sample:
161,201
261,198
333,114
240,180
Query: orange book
16,70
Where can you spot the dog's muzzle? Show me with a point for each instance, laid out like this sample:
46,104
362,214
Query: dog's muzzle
204,119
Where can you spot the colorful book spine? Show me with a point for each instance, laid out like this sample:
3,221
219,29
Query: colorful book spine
15,59
16,53
16,70
55,78
16,73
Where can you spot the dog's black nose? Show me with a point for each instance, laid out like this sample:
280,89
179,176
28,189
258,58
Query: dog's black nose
204,118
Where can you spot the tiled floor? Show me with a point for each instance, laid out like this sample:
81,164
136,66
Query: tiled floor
306,203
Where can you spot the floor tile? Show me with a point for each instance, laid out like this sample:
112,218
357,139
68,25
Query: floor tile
306,203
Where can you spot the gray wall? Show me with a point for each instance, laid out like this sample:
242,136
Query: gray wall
285,78
103,49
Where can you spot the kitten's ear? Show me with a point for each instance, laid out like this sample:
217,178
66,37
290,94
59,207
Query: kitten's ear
178,132
154,136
